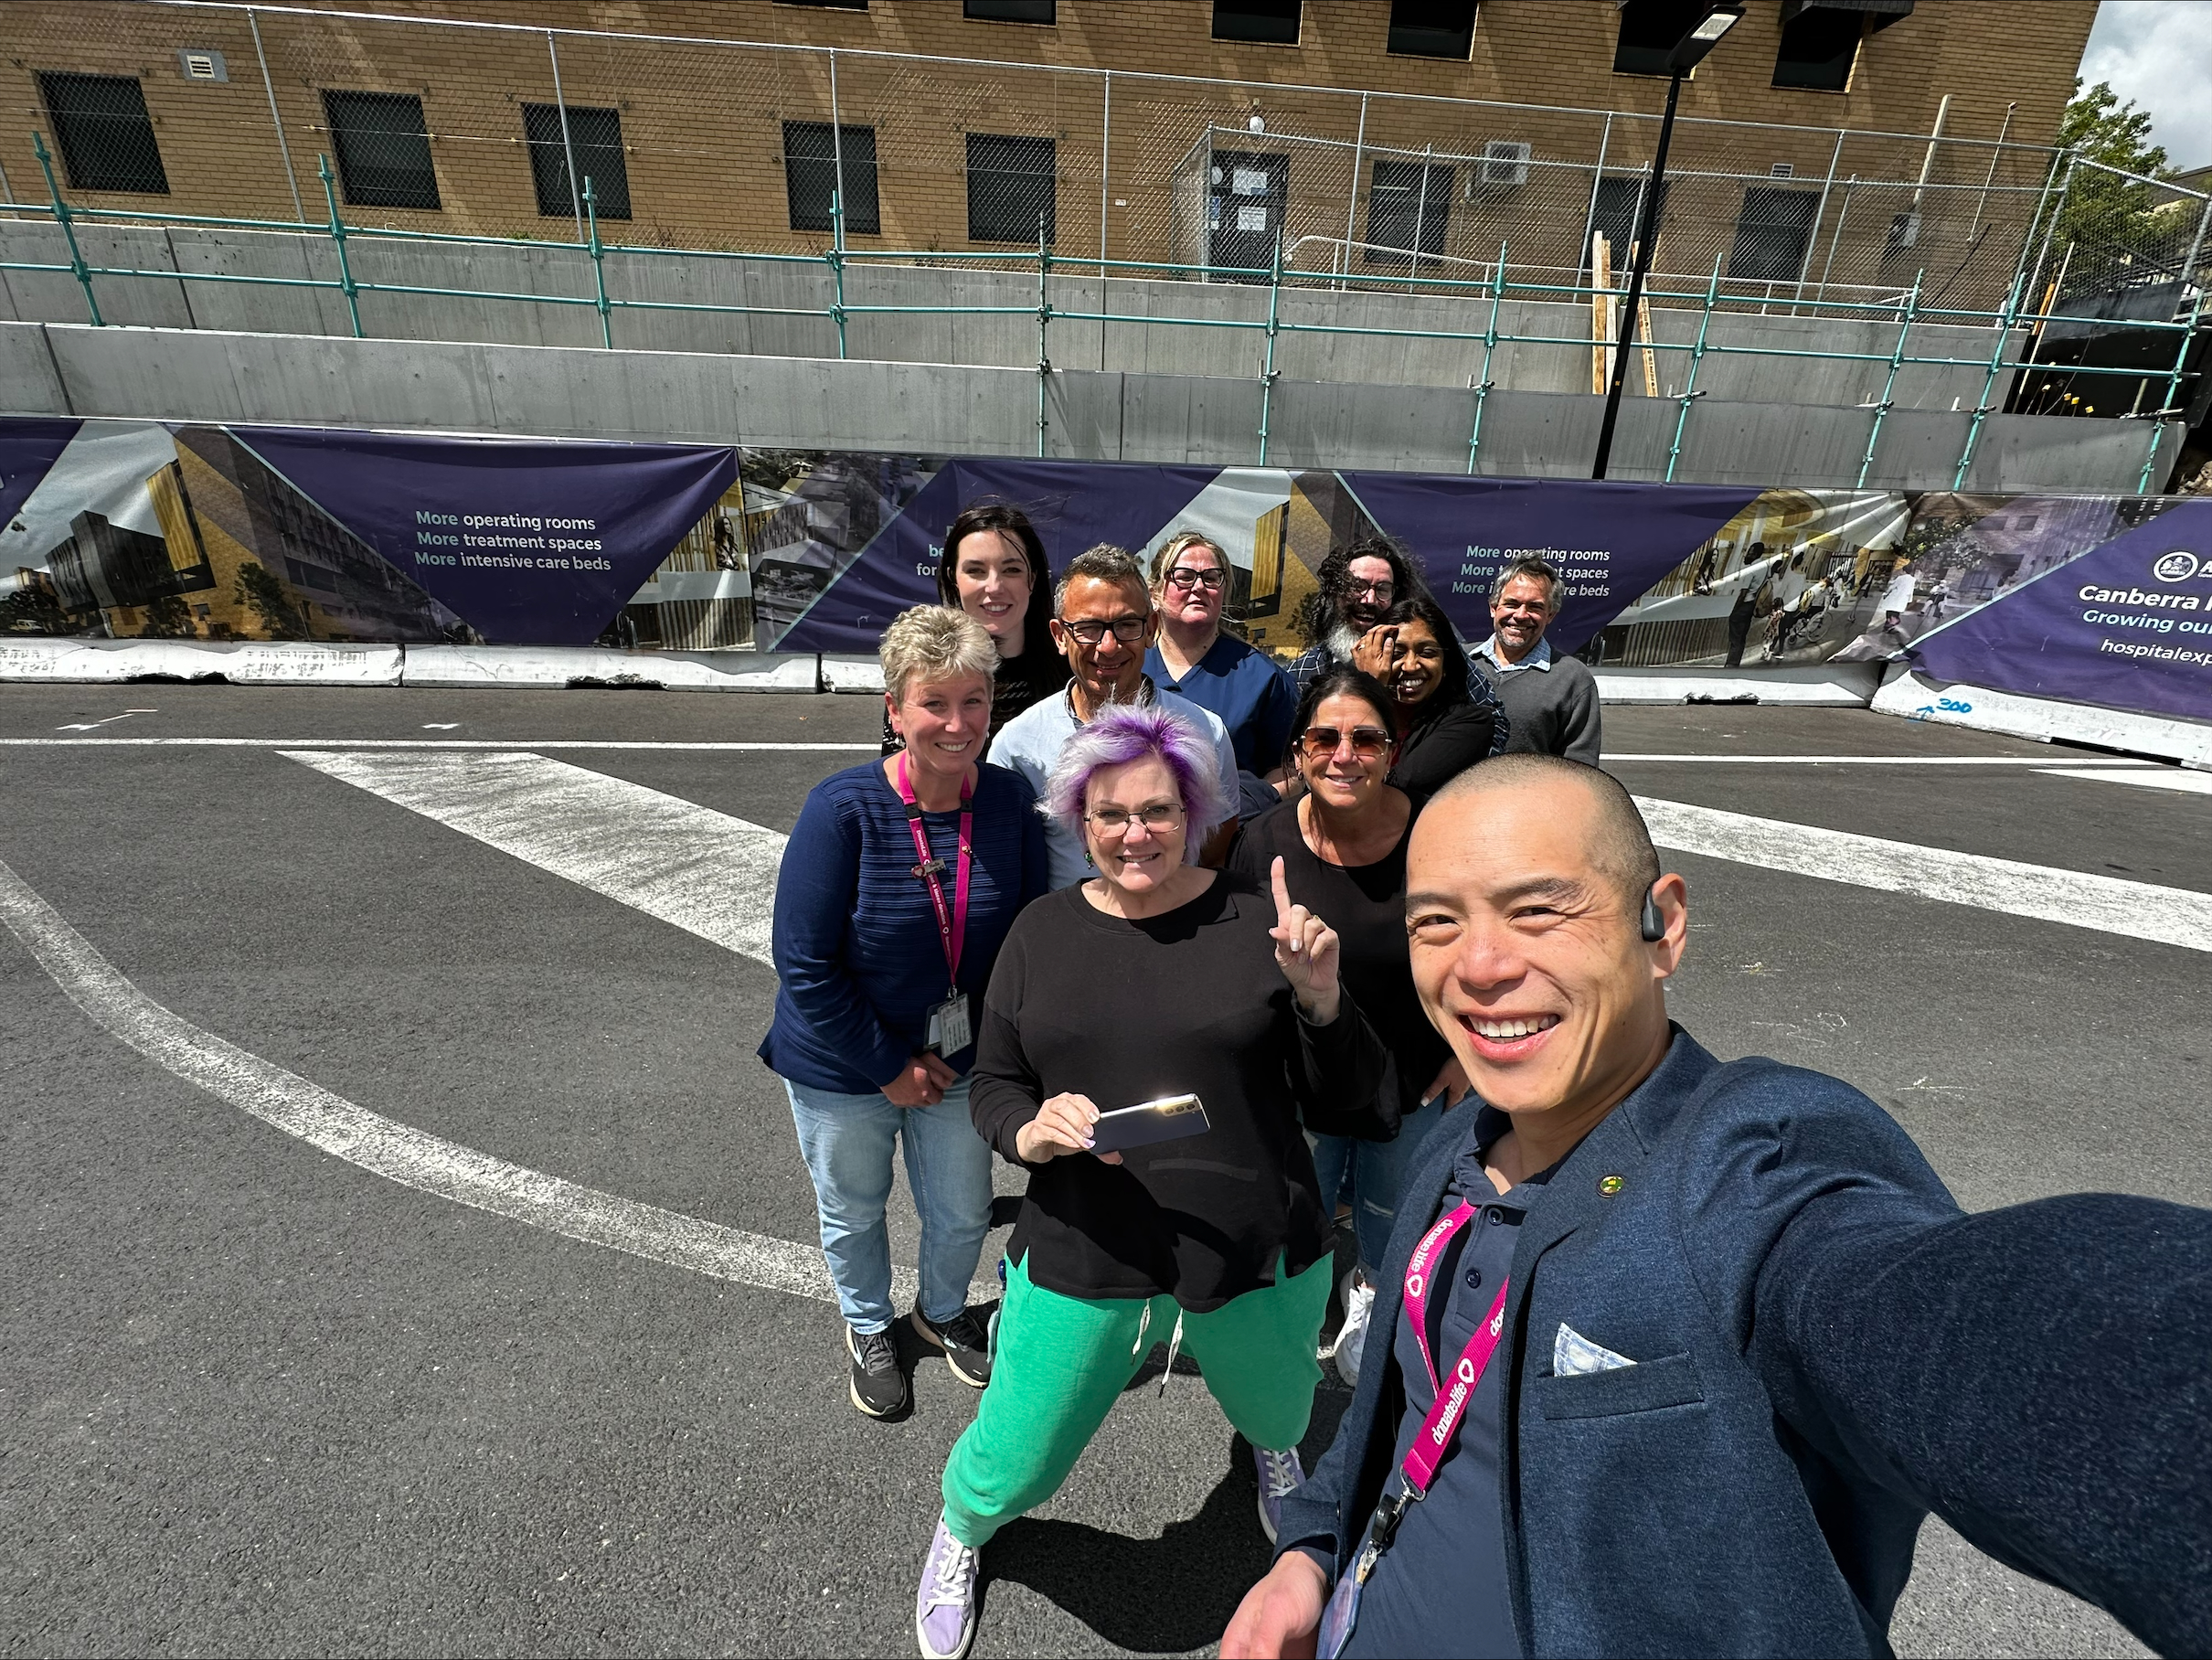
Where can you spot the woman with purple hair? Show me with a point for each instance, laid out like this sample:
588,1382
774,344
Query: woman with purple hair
1155,979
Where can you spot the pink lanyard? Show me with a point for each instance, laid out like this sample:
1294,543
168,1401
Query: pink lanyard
1450,1406
952,925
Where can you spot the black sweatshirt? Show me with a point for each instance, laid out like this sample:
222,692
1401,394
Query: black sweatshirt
1366,904
1186,1002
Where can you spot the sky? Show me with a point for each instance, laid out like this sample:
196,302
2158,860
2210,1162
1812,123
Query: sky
2159,53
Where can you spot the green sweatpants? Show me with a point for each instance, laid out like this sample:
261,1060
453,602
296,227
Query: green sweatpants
1062,1361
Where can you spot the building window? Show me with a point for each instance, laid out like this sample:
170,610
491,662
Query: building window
103,133
1269,22
383,149
1010,11
1819,47
1651,30
1433,28
1408,206
810,175
1010,187
829,6
1615,214
1772,233
596,136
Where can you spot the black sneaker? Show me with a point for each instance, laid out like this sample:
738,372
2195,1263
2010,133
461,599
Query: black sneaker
966,1345
879,1388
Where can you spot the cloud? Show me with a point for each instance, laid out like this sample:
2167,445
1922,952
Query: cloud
2157,53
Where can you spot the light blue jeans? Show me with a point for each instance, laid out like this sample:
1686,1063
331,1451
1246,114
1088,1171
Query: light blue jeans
1378,1170
846,1141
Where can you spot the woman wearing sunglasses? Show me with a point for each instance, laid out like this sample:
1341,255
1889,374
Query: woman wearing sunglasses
1217,671
1341,843
1440,725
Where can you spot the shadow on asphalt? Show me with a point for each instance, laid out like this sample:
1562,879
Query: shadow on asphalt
1165,1595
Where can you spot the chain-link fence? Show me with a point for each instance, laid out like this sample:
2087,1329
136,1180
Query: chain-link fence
442,127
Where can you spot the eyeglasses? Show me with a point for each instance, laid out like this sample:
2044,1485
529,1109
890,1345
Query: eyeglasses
1092,631
1115,821
1320,742
1384,590
1187,577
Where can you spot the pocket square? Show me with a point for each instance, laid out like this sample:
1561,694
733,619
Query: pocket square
1575,1355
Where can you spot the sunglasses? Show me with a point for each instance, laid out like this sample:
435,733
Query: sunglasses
1320,742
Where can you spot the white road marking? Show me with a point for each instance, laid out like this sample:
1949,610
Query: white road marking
702,871
399,1153
93,726
412,743
2156,778
2140,910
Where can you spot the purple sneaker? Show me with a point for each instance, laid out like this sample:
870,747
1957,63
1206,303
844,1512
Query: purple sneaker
944,1608
1280,1475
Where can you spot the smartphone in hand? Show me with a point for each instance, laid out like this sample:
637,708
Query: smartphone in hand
1170,1118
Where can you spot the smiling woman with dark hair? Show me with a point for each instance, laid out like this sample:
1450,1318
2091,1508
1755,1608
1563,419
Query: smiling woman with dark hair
1441,725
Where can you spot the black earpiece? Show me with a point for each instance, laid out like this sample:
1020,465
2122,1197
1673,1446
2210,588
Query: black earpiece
1655,925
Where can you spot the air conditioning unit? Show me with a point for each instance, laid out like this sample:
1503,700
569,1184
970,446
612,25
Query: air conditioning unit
1504,165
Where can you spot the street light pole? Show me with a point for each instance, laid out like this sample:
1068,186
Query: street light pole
1714,19
1647,236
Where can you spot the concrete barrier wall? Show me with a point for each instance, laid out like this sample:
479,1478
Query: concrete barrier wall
940,408
1008,340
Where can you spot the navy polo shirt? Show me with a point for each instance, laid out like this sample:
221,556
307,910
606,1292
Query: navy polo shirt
1441,1589
1253,698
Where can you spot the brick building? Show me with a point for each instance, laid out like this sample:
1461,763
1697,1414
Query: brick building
1369,135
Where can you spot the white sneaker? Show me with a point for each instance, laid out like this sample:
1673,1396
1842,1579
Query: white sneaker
1352,1336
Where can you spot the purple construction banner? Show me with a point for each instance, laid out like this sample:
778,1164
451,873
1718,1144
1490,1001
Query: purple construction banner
533,541
1608,541
27,449
2127,623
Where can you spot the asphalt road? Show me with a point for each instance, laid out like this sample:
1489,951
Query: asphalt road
254,1399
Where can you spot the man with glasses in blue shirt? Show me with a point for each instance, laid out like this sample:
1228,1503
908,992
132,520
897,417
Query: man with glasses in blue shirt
1103,623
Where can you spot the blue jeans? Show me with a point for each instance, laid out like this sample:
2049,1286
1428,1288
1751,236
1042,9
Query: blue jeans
846,1141
1378,1170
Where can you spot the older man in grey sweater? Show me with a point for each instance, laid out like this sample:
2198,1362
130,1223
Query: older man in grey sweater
1552,700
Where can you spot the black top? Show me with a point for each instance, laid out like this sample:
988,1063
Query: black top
1444,745
1020,681
1123,1012
1366,904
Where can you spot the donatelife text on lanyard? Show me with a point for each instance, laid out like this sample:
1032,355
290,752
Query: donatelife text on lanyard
1438,1430
950,1029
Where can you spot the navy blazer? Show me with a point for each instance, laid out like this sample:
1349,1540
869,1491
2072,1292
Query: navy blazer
1825,1351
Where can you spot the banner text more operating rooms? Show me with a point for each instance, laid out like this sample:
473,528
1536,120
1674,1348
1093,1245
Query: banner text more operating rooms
508,542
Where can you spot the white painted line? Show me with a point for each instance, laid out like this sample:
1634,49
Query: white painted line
399,1153
702,871
414,743
2140,910
2156,778
1867,760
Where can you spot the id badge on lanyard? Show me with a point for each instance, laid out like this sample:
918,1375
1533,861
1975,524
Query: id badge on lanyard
950,1029
1438,1430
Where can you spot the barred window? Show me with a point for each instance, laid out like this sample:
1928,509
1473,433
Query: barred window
1011,188
104,135
596,136
383,149
1773,231
810,176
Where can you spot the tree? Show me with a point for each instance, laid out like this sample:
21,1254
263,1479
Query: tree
2110,231
268,598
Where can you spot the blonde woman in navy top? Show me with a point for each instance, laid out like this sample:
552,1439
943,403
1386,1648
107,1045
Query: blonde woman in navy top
900,880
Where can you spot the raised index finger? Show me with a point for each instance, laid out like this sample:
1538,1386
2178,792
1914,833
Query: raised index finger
1282,895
